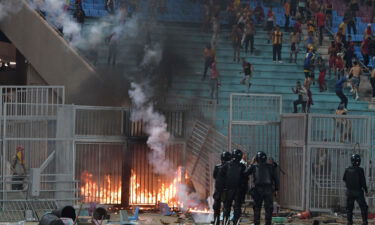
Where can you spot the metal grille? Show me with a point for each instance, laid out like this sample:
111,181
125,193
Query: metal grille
99,168
14,211
254,122
327,165
255,107
51,95
315,150
148,187
292,158
99,121
334,129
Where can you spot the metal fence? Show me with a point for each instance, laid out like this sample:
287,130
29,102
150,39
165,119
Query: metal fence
254,122
315,150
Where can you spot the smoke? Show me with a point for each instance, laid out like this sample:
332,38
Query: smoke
9,6
155,128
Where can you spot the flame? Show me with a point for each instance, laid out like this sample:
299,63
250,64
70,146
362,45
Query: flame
196,210
108,192
165,192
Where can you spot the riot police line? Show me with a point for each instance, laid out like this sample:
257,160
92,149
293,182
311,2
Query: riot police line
232,184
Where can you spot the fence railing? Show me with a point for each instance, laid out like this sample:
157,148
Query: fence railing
315,150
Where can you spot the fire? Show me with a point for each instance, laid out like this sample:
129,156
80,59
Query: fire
108,192
165,192
196,210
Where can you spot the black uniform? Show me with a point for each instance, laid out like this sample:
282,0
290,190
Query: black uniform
354,178
234,172
266,181
218,193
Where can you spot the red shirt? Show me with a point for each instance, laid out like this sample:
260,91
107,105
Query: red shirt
339,63
320,19
297,27
364,47
214,72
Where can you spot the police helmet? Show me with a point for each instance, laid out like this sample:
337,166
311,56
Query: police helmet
226,156
355,159
261,157
237,154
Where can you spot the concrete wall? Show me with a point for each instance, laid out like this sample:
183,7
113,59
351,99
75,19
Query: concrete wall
51,56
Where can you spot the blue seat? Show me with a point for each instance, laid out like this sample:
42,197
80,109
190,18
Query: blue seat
135,215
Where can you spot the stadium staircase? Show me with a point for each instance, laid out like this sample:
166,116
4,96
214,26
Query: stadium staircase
53,58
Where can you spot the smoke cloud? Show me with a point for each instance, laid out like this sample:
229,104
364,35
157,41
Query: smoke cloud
7,7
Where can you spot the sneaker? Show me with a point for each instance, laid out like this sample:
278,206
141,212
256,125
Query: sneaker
345,109
351,90
280,61
357,98
274,61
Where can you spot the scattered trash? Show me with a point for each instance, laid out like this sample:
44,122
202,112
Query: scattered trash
279,219
371,216
304,215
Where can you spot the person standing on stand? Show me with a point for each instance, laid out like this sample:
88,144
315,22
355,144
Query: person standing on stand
287,15
320,21
339,86
355,181
18,168
277,41
214,82
209,57
219,186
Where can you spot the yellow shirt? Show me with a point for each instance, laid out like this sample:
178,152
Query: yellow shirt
343,27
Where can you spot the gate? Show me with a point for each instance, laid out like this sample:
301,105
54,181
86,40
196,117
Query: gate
292,157
315,150
254,122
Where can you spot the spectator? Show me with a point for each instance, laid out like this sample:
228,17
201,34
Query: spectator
320,21
302,8
302,97
329,8
231,15
308,63
249,35
322,74
293,47
209,56
349,53
80,16
215,31
368,31
342,30
365,50
339,66
287,15
310,41
112,41
214,82
350,21
307,84
339,86
355,74
372,81
259,14
110,6
277,41
248,70
18,168
293,7
354,7
270,23
236,42
332,52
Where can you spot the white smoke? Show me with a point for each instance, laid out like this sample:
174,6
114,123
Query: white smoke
153,55
155,128
9,6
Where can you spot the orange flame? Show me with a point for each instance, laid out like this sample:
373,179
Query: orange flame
164,192
108,192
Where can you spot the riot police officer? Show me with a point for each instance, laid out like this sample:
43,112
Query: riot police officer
219,186
234,172
265,181
355,181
